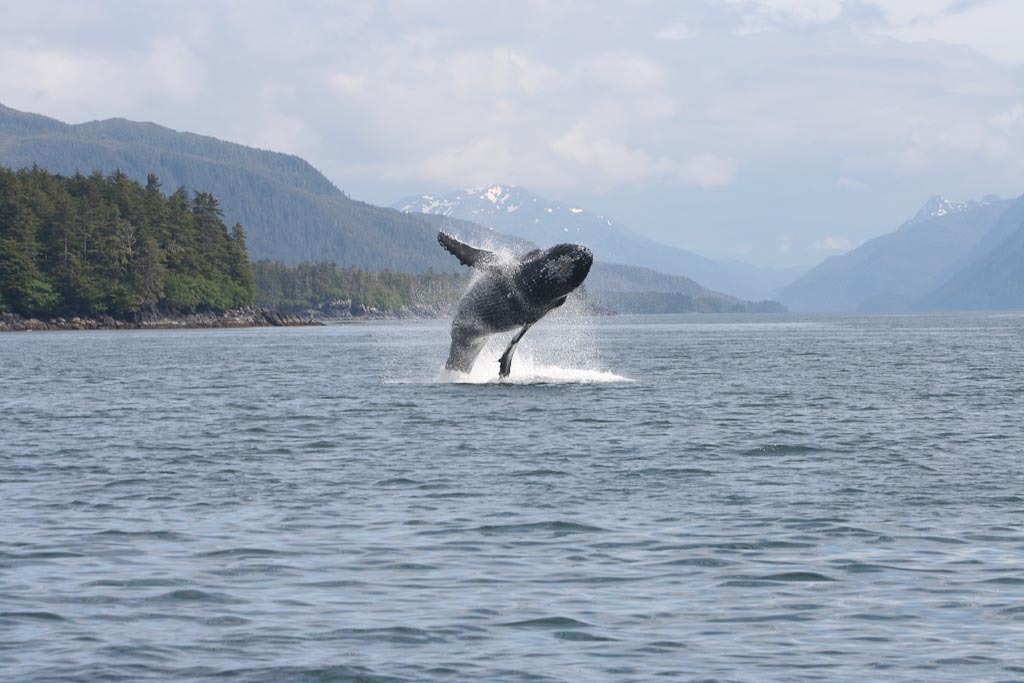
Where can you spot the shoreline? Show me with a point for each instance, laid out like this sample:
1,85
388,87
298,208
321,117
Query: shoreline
245,317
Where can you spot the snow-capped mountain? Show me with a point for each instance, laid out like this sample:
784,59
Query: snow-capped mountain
895,271
938,206
515,211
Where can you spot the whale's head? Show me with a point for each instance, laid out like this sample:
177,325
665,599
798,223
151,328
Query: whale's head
553,273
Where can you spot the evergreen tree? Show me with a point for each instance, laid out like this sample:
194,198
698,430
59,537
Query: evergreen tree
106,245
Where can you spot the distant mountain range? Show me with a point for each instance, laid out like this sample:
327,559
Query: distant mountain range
924,265
515,211
994,275
292,213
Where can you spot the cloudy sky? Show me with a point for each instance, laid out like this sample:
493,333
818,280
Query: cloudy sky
772,131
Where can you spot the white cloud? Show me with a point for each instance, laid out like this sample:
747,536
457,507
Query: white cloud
74,84
708,170
982,26
347,83
835,244
675,32
851,184
615,161
801,11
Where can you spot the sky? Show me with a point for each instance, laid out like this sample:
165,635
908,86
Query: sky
776,132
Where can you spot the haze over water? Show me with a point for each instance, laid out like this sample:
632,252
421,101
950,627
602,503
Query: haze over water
709,498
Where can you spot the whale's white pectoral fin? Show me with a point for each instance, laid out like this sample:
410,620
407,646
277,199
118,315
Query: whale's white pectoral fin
506,358
467,255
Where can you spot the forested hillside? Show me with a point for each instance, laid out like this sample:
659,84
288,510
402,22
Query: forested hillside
94,245
330,287
291,212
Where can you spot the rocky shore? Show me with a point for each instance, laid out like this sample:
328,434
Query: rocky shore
245,317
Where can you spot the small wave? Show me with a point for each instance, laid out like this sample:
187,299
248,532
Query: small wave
226,620
1006,580
131,481
193,595
698,562
580,636
159,535
556,526
541,473
548,622
669,471
796,576
781,449
136,583
403,635
338,672
35,616
242,552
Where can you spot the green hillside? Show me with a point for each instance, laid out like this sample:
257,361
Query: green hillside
290,211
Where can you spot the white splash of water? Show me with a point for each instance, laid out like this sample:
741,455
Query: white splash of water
527,370
561,349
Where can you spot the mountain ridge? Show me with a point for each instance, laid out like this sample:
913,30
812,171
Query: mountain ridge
514,210
894,271
308,219
290,211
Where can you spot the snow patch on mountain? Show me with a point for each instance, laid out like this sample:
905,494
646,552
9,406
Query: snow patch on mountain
938,206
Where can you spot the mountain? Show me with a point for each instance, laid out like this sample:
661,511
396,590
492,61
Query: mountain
632,289
994,279
893,272
290,211
516,211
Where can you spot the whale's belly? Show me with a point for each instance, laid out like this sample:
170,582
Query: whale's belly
492,304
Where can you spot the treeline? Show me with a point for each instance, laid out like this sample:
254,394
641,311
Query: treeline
325,285
106,245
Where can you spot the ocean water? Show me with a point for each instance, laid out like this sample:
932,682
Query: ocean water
707,498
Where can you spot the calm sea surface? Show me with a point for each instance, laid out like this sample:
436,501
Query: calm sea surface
663,498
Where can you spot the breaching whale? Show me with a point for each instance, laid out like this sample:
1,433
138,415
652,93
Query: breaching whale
509,293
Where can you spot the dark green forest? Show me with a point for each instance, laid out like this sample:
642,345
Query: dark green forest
106,245
327,285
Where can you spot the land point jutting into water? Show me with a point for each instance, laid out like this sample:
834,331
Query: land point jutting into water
104,252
